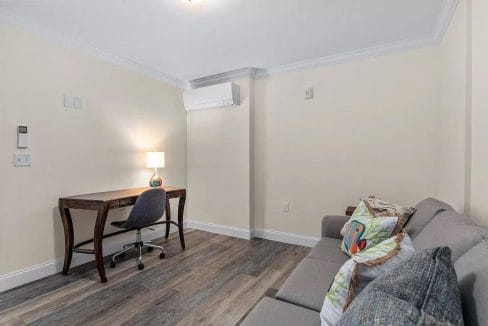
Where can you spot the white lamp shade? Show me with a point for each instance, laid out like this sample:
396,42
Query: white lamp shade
154,160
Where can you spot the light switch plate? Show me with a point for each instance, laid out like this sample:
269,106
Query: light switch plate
77,103
23,159
72,102
69,101
286,206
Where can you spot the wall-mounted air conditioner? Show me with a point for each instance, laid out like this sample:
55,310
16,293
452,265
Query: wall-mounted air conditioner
215,96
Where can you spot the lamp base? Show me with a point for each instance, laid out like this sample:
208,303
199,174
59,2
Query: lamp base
155,181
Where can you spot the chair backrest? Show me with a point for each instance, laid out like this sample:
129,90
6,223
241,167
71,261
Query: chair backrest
149,208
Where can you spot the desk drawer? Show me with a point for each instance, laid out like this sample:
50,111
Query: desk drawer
127,202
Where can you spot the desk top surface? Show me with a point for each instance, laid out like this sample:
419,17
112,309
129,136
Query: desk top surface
117,194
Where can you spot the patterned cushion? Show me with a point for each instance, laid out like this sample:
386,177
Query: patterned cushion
359,271
379,207
423,290
364,230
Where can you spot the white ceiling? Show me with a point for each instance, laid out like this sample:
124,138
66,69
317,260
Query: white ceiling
181,41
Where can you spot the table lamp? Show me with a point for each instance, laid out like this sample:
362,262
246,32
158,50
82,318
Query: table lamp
155,160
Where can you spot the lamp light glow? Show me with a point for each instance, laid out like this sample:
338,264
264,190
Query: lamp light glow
155,160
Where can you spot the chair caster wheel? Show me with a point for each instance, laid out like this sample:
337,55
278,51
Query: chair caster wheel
149,249
162,255
140,266
113,264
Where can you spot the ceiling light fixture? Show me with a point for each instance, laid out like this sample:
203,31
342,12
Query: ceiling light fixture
188,3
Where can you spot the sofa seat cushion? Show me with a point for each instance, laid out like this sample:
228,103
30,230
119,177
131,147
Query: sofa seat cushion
329,249
451,229
309,283
471,269
274,312
424,213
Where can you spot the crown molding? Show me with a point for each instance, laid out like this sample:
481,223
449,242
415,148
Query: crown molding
350,56
9,18
445,18
247,72
442,24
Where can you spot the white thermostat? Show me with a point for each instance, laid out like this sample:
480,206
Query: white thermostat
22,137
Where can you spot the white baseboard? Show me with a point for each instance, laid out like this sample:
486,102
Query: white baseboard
220,229
296,239
36,272
291,238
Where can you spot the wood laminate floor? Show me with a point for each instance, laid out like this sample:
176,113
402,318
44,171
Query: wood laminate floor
215,281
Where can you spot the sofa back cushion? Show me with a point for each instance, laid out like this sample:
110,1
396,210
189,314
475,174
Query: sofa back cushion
472,272
424,213
451,229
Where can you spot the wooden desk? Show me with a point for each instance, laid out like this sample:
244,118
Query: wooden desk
103,202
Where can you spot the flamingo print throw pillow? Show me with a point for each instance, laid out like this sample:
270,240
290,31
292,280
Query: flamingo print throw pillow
359,271
364,230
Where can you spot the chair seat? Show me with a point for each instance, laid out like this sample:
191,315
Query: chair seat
120,224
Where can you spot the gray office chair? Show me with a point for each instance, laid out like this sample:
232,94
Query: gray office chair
147,210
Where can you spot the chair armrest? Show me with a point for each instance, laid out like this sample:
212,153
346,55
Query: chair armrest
332,225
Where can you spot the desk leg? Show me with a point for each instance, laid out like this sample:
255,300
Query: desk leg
98,242
168,218
68,237
181,207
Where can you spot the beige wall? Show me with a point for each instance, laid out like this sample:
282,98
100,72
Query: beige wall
372,128
100,147
219,154
479,167
416,119
393,125
465,70
452,116
465,67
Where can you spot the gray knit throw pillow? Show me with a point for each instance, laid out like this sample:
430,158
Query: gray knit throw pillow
422,290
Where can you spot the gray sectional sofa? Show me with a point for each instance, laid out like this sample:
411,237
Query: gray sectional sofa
434,224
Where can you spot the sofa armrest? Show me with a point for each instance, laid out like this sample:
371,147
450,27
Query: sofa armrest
332,225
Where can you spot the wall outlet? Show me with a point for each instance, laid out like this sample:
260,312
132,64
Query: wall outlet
309,93
286,206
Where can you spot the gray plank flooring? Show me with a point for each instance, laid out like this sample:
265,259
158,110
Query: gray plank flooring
215,281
